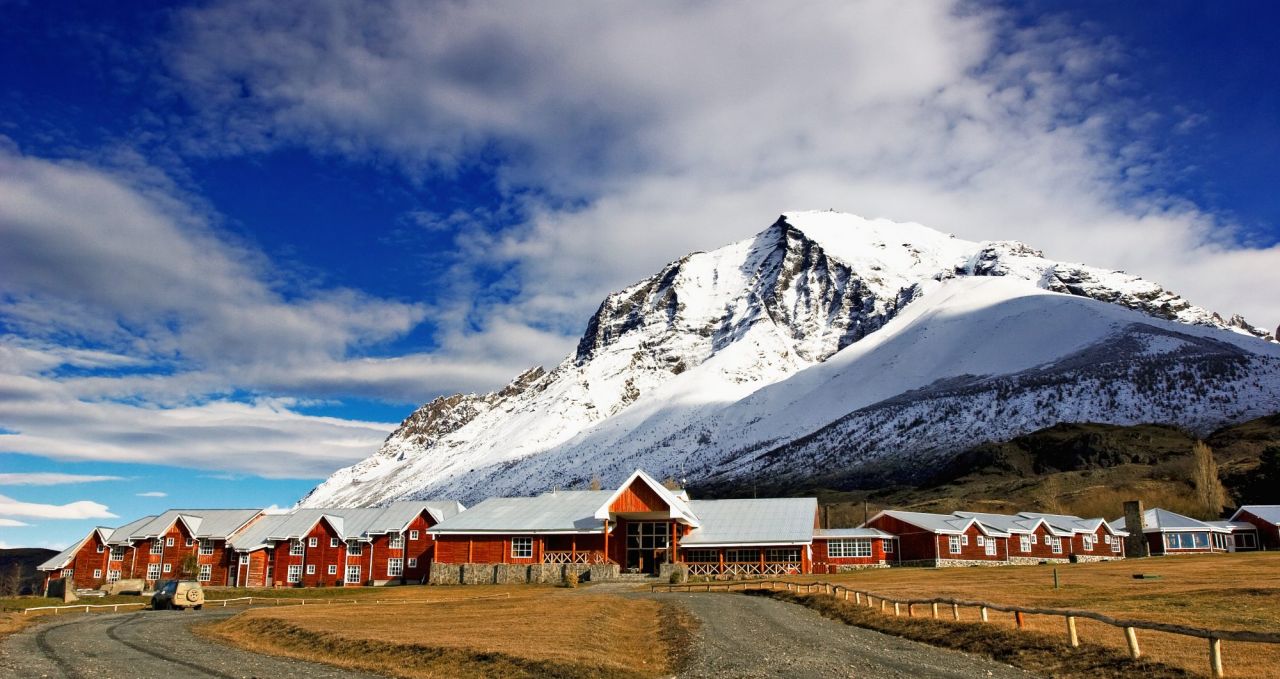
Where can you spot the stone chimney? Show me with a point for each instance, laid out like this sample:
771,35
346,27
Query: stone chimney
1135,545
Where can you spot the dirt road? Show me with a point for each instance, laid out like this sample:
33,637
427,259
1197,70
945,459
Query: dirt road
143,644
745,636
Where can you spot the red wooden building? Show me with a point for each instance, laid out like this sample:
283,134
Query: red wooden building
837,550
1266,519
943,539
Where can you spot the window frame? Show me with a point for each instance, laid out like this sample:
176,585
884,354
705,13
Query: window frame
157,547
353,568
168,568
168,542
849,548
206,547
395,540
333,543
97,573
293,574
1024,543
522,548
395,567
354,548
313,542
954,544
413,535
297,548
153,571
311,569
413,562
206,573
333,569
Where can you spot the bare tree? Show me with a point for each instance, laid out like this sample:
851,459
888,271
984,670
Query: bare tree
1204,475
11,580
1050,494
596,483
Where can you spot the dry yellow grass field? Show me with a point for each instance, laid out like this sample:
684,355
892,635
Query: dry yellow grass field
448,632
1223,591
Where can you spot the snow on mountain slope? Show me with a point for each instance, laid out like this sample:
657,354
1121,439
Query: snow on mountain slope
723,356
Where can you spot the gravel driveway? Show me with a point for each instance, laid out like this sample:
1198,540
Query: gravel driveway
142,644
744,636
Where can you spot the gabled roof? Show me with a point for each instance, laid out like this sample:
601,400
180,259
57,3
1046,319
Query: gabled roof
944,524
124,534
1074,524
213,524
1268,513
61,559
1012,524
837,533
1159,520
765,521
349,523
565,511
679,509
1233,526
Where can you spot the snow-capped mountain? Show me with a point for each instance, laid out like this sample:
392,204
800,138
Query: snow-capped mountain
830,345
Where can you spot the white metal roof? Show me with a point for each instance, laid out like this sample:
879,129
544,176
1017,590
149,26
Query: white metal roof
1012,524
565,511
1233,526
1074,524
836,533
945,524
350,523
61,559
763,521
1268,513
215,524
1159,520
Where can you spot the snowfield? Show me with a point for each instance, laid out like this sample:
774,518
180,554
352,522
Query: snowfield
830,346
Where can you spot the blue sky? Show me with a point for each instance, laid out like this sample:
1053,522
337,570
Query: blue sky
239,241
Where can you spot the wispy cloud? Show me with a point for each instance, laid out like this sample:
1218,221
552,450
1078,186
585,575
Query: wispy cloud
84,509
51,479
12,523
153,493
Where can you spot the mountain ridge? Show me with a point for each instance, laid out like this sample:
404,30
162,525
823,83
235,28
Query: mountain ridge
657,375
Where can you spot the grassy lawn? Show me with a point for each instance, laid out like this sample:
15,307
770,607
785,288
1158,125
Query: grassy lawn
1231,591
517,630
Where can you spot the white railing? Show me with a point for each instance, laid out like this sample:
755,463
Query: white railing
745,568
585,557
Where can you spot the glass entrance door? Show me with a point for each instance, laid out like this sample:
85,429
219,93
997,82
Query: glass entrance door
647,543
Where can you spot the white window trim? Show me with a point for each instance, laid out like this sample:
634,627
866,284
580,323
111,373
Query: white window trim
206,547
354,548
296,548
888,546
168,542
313,542
206,572
1024,543
66,573
981,541
168,568
153,571
333,542
954,544
113,575
293,573
333,569
964,539
157,546
353,569
244,559
413,535
990,547
520,552
396,541
1056,544
1087,541
311,569
97,573
395,568
413,563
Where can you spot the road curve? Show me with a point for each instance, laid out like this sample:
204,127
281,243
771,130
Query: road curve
142,644
747,636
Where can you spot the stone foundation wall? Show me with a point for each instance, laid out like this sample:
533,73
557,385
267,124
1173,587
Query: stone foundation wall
852,567
956,563
1092,558
507,573
1036,560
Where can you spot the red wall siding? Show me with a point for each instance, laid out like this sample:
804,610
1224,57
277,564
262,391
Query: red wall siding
914,543
482,549
1040,549
638,497
1268,533
972,551
822,559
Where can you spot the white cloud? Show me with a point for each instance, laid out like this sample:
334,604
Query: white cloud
12,523
671,127
84,509
153,493
51,479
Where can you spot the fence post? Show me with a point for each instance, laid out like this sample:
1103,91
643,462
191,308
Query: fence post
857,598
883,605
895,608
982,613
1071,632
1131,636
934,606
1215,658
1017,617
955,611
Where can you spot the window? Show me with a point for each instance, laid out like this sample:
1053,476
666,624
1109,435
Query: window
102,548
1056,544
168,542
206,572
1201,540
311,569
168,568
888,546
1115,546
295,548
964,540
354,548
113,575
244,559
117,553
990,547
981,541
1088,543
413,563
849,548
1035,539
1024,543
97,573
397,541
157,547
413,535
782,555
333,569
333,542
1106,539
1246,541
67,572
190,542
206,547
353,575
395,568
1186,540
700,555
153,571
742,556
953,541
313,542
294,574
522,548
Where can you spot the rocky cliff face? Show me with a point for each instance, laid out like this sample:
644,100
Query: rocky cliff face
688,369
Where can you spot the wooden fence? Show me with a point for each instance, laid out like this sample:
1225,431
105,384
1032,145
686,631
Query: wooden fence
883,603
